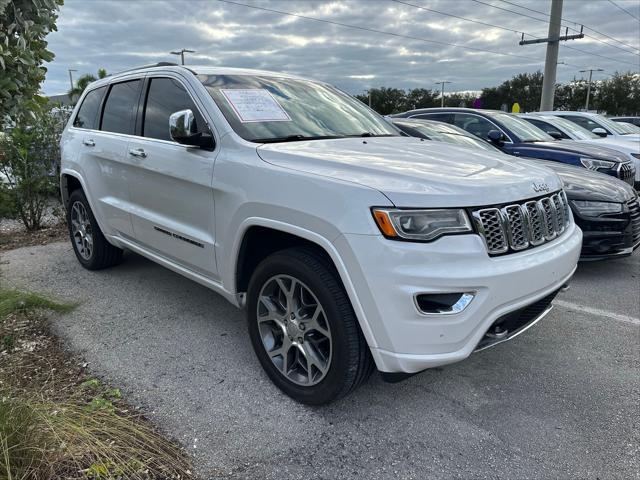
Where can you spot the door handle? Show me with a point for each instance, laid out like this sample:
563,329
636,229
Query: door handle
89,142
138,152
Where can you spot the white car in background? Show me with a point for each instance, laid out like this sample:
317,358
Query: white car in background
597,124
560,128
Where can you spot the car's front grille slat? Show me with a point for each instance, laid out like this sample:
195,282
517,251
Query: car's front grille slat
627,172
516,227
634,210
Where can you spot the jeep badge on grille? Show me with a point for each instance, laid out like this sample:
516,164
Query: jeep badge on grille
540,187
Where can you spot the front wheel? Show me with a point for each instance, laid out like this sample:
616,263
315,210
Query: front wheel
303,328
92,250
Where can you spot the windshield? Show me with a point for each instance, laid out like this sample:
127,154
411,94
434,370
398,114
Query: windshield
610,125
275,109
575,130
450,134
629,127
523,129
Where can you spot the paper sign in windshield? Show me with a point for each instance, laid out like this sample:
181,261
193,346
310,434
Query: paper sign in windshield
255,105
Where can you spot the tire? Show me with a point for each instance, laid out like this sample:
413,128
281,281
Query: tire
337,356
101,254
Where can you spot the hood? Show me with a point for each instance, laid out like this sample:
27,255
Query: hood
415,173
579,148
627,146
583,184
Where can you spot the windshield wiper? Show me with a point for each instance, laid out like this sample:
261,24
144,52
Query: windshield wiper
293,138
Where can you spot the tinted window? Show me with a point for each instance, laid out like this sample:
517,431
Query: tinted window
546,127
440,117
120,108
165,96
473,124
88,114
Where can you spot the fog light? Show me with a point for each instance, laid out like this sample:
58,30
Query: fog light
443,303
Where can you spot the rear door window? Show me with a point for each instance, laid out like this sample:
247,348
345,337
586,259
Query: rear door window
119,113
87,116
166,96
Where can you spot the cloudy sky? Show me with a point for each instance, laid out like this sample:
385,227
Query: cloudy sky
120,34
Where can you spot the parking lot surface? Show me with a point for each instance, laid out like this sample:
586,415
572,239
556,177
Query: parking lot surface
560,401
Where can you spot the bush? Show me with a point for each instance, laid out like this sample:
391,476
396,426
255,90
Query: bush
29,165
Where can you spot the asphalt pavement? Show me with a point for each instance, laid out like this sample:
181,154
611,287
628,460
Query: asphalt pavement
560,401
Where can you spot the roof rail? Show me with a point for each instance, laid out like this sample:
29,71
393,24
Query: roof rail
159,64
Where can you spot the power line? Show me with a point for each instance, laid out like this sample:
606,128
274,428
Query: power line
578,23
546,21
373,30
624,10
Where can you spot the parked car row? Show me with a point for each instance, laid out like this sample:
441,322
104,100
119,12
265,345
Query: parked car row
351,246
605,209
515,136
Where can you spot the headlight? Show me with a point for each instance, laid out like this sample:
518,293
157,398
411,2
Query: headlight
593,164
595,209
636,155
421,225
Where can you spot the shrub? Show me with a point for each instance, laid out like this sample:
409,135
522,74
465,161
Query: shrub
29,163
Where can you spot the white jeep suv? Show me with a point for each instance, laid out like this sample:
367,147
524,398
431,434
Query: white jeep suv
350,246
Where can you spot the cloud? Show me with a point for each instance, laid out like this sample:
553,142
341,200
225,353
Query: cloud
117,35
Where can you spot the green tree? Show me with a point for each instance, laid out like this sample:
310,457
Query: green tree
618,95
24,24
524,88
385,100
82,83
29,163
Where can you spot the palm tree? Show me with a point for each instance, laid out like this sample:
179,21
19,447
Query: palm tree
82,82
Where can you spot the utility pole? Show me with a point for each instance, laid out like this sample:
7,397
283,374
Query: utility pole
551,60
442,92
71,77
181,52
590,70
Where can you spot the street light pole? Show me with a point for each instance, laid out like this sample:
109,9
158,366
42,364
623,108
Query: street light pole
181,52
71,77
442,92
590,70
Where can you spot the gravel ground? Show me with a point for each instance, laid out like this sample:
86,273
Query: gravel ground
561,401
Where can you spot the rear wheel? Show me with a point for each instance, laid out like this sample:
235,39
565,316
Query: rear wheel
303,328
92,249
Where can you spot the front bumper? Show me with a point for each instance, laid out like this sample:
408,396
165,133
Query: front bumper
388,274
610,236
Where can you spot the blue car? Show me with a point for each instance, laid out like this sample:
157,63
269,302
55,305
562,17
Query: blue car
518,137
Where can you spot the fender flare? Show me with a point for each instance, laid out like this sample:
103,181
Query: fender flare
324,243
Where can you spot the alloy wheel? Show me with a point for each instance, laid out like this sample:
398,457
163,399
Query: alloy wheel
294,330
81,231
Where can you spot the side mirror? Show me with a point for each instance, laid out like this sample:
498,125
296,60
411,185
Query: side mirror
601,132
184,130
555,134
495,136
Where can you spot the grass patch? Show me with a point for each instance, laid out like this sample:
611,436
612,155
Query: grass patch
16,301
58,422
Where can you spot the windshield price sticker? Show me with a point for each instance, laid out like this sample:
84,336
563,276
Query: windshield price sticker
255,105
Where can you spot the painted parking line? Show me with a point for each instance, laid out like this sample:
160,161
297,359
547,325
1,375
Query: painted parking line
596,311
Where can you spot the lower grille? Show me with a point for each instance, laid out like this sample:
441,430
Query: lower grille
510,324
627,173
519,226
634,210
